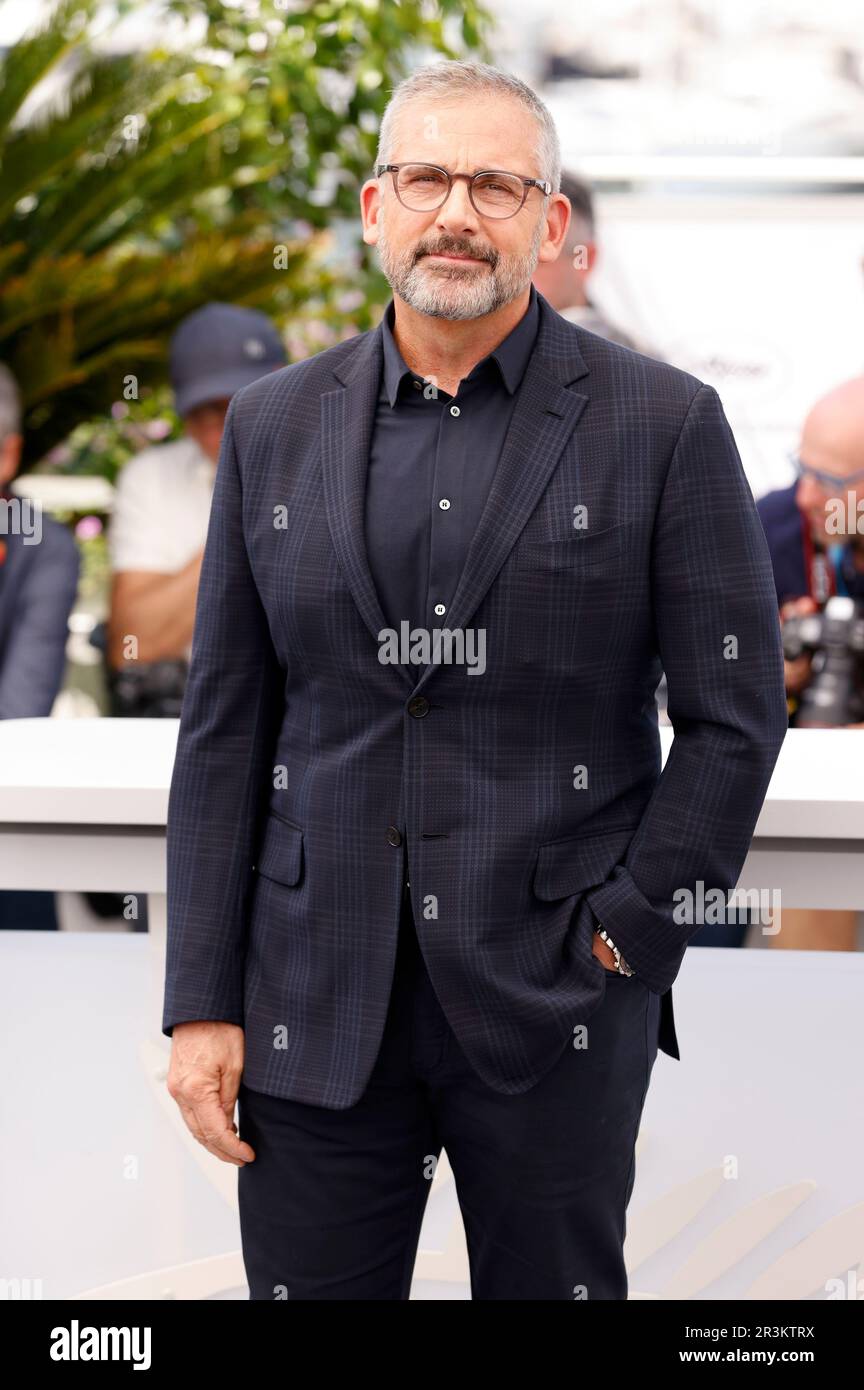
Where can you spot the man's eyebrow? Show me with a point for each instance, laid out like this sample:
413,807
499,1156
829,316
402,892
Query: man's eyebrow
478,168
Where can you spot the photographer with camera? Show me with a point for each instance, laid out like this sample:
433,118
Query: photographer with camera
817,553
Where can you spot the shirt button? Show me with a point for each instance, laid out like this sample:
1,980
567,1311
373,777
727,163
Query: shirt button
393,836
417,384
454,410
444,504
440,609
418,707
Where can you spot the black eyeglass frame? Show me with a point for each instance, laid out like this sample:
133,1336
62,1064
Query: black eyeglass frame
527,184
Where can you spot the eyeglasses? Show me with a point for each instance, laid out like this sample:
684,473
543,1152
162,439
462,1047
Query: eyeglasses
493,193
826,480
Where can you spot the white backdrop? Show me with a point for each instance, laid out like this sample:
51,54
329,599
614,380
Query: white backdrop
762,297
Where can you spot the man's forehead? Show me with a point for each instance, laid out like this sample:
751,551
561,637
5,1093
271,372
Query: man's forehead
490,131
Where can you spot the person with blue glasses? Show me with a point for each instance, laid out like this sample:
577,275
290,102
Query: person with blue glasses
815,533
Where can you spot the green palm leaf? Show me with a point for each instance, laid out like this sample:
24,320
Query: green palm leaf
155,182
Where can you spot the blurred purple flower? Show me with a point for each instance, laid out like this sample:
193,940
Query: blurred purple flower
158,429
352,299
88,527
59,455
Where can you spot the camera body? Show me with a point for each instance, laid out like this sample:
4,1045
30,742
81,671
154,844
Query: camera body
151,690
834,639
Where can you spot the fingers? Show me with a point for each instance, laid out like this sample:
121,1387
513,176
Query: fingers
213,1126
797,673
204,1079
797,607
228,1100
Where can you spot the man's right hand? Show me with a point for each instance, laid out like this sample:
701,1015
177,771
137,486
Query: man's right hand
796,674
204,1078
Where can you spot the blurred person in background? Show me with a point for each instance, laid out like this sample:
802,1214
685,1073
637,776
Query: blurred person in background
39,567
818,554
812,559
564,282
162,506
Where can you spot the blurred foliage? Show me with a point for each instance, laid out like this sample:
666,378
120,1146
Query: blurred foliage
152,182
100,446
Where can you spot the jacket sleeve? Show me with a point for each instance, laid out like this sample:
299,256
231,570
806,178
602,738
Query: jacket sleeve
718,635
34,662
229,721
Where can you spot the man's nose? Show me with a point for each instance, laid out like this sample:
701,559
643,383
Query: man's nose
458,212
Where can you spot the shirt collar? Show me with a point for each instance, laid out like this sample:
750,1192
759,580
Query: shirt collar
511,356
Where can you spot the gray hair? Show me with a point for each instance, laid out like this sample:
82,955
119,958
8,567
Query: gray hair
464,79
10,404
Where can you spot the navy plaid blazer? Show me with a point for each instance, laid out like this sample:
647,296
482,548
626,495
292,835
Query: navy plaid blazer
529,798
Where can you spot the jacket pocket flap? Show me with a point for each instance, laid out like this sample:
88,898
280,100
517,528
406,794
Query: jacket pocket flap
281,854
579,861
582,548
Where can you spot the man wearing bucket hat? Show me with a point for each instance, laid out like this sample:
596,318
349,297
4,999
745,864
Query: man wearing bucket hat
162,505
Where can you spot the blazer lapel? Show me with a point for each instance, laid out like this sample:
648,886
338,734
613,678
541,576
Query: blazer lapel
347,420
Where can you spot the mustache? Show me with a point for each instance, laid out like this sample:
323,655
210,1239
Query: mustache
451,248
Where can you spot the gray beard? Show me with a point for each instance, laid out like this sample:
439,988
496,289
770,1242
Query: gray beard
431,292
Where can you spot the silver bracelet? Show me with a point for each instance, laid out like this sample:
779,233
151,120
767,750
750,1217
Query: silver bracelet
620,963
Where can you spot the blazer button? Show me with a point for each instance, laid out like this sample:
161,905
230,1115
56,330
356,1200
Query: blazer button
393,836
418,706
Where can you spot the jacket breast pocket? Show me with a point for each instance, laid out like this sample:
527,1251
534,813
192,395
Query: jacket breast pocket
281,854
585,551
577,862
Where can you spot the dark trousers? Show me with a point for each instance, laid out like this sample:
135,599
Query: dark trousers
332,1206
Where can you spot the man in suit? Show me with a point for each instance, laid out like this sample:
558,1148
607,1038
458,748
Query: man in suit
38,583
392,851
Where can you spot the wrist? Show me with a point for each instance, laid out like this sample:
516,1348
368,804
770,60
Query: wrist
621,965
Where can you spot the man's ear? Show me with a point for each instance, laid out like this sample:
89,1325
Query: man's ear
370,207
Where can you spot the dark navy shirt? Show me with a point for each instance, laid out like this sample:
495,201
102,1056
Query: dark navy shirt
431,462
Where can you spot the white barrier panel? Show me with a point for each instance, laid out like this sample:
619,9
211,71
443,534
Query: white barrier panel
748,1171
